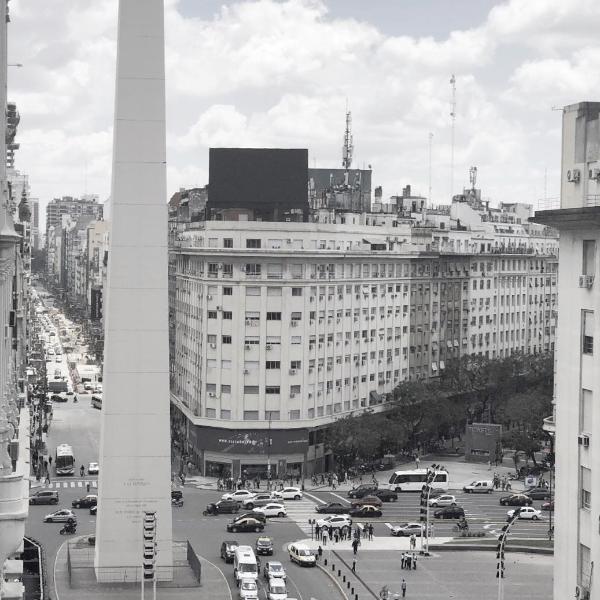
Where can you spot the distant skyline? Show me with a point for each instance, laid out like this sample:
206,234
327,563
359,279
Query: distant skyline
273,73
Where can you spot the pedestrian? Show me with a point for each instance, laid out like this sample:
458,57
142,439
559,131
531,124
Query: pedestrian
489,465
331,532
403,587
403,560
319,553
413,541
371,532
354,564
317,532
324,536
414,561
366,530
417,460
336,536
87,487
47,480
408,562
82,470
355,546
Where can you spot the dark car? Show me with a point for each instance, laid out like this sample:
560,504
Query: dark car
58,398
264,545
228,549
362,490
176,495
365,511
538,493
245,524
85,502
372,500
386,495
261,517
449,512
516,500
44,497
94,509
549,506
225,507
333,508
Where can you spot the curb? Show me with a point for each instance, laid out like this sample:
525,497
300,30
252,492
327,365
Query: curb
490,547
357,576
335,581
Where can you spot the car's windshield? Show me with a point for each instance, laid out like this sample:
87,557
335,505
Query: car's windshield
246,567
304,552
248,585
278,589
276,568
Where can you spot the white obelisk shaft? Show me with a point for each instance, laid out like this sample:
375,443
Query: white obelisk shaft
135,459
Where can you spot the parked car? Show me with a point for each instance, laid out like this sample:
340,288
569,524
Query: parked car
291,493
333,508
93,468
253,515
367,511
538,493
274,569
60,516
335,521
549,506
264,545
246,524
408,529
527,512
176,495
386,495
370,500
443,500
227,550
449,512
44,497
272,509
362,490
85,502
238,495
516,500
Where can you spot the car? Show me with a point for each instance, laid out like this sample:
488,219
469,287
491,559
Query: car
87,386
248,589
407,529
370,500
50,351
538,493
479,487
226,507
274,569
335,521
246,524
258,500
264,545
93,468
70,393
85,502
332,508
94,510
291,493
549,506
276,589
58,358
60,516
253,515
271,510
386,495
227,550
365,511
443,500
362,490
302,555
449,512
515,500
238,495
58,398
176,495
526,512
98,388
44,497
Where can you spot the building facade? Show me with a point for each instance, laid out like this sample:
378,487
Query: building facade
74,207
577,377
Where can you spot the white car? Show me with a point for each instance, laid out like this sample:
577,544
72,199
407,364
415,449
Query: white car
527,512
58,358
271,510
291,493
443,500
238,495
248,589
93,468
276,589
60,516
335,521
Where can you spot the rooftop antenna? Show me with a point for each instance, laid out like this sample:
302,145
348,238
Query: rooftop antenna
430,148
348,148
453,117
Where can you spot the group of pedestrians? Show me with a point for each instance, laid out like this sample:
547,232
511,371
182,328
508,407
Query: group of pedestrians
408,560
501,482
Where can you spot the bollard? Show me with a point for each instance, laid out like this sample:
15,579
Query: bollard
333,566
356,597
352,590
339,572
348,585
344,579
325,562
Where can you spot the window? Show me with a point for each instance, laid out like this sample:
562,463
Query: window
211,388
296,291
295,364
296,339
225,414
294,389
274,271
272,415
294,415
252,243
586,487
252,291
211,339
250,389
274,389
226,364
273,364
227,270
225,389
274,291
589,257
588,331
273,316
296,316
212,314
227,242
253,270
227,315
250,415
585,412
226,339
227,291
211,413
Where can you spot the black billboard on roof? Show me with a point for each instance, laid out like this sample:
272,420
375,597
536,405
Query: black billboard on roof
269,181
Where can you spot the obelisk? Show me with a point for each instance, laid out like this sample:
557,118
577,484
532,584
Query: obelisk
135,457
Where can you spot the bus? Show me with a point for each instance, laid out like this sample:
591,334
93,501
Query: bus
413,481
97,401
65,461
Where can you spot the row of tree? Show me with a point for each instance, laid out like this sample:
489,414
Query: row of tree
515,392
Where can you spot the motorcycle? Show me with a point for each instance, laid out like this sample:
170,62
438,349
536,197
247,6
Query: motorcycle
211,509
177,502
68,529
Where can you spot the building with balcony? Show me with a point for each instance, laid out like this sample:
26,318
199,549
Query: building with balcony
577,378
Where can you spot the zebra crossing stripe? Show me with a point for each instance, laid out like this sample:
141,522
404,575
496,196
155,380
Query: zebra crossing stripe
80,484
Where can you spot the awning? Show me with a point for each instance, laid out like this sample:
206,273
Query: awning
456,343
434,366
442,365
449,343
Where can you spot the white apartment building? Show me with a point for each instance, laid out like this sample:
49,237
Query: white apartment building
280,328
577,376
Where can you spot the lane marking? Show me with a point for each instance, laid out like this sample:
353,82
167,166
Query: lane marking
340,497
315,498
294,584
222,575
54,569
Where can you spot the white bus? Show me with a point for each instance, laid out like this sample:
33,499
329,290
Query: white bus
65,460
413,481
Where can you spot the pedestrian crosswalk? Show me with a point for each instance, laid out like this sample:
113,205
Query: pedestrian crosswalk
71,483
300,511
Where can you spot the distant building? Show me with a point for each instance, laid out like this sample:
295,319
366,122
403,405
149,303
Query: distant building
483,442
340,189
74,207
35,223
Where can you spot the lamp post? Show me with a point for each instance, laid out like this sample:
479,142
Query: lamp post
500,552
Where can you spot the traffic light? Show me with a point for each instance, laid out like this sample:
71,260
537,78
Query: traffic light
150,546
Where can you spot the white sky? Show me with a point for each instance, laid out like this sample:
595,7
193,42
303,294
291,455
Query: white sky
271,73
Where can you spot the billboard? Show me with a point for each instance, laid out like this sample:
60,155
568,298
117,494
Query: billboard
268,181
249,441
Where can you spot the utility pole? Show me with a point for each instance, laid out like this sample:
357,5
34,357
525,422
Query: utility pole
430,149
453,123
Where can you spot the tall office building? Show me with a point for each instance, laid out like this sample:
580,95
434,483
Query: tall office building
74,207
577,377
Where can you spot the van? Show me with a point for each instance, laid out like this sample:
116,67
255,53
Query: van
479,487
244,564
302,555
